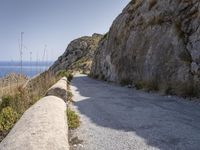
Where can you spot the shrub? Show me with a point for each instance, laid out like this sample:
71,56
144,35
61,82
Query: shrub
124,82
67,74
8,117
147,85
105,36
14,101
73,119
139,85
6,101
168,90
152,86
187,90
69,96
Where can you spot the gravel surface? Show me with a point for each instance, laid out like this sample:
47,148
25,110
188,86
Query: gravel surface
118,118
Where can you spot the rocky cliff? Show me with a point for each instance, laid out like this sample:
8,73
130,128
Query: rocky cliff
78,55
153,44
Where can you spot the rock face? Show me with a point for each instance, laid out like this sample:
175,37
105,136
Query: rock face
78,55
155,44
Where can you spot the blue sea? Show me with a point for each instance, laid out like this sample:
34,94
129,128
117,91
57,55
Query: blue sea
29,69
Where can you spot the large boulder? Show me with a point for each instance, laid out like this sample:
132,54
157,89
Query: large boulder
155,43
78,55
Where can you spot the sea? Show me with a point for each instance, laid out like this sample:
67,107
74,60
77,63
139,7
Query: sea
29,69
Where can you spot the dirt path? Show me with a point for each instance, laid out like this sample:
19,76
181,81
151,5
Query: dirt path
118,118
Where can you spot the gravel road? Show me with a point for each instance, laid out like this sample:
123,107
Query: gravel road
118,118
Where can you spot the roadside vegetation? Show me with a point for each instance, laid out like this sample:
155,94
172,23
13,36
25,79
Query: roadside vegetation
10,82
72,118
15,103
69,77
185,90
64,73
69,95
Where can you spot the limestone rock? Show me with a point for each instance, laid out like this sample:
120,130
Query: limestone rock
154,42
78,55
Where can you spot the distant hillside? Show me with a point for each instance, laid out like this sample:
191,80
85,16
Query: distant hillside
78,55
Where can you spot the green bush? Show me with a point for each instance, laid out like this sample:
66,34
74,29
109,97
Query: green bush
147,85
187,90
67,74
139,85
105,36
168,90
6,101
73,119
69,95
13,101
8,117
18,102
152,86
125,82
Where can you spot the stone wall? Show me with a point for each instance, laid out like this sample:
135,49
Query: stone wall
43,126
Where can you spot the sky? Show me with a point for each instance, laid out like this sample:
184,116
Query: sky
49,25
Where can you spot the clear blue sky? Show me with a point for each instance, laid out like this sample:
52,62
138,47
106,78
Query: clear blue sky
52,22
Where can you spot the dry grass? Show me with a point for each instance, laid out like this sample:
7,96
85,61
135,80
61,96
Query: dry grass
156,20
133,5
69,93
21,98
187,90
11,89
151,85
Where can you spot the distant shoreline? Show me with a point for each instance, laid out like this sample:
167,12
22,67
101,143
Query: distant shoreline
26,63
30,69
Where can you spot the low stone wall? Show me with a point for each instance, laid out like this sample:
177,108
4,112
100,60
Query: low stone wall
42,127
59,89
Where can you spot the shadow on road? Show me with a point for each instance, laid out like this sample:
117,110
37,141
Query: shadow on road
164,123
